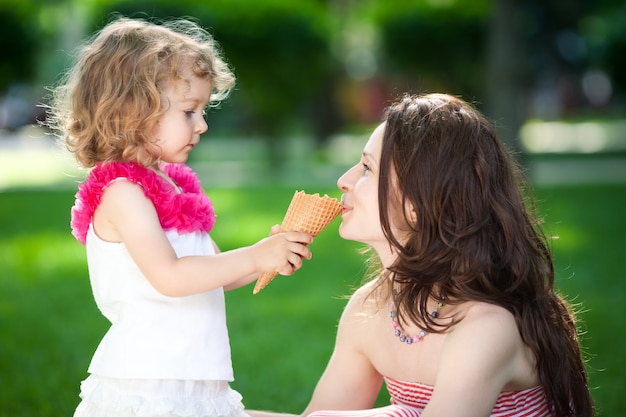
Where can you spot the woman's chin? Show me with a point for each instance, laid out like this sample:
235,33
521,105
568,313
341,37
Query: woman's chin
345,233
342,231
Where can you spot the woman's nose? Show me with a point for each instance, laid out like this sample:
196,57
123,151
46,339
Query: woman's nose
343,183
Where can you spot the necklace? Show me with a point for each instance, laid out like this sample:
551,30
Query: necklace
397,330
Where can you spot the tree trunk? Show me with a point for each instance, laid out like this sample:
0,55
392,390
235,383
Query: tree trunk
506,75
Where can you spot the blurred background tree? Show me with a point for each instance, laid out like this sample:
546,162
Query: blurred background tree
279,51
18,41
319,67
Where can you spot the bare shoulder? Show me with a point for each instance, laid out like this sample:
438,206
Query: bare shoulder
122,188
124,195
485,330
359,315
489,333
123,204
476,309
363,301
489,312
485,320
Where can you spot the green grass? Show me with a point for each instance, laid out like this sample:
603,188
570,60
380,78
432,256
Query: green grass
282,337
589,261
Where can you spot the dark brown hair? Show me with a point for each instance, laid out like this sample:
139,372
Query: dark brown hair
474,236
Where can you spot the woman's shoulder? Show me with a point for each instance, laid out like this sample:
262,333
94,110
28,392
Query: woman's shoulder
360,320
367,292
483,326
364,303
480,310
489,333
478,316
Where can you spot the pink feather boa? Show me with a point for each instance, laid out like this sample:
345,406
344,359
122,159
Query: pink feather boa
188,211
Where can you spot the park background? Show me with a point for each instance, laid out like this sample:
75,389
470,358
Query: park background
313,78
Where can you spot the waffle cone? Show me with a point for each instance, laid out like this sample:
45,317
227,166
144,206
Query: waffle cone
307,213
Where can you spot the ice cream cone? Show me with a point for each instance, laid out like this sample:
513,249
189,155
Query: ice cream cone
308,213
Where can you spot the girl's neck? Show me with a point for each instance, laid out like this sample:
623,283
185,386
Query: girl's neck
163,175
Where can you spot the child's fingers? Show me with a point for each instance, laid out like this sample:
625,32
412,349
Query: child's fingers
289,268
283,252
301,237
294,258
300,250
275,230
295,261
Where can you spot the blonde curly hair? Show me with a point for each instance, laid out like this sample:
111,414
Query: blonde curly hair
111,99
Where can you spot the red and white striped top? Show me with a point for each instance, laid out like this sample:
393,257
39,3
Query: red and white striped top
408,399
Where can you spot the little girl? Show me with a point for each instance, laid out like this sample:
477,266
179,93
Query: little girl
132,109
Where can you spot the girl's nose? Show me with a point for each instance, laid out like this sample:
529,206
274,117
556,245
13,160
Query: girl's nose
202,126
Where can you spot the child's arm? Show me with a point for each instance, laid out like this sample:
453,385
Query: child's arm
126,215
245,280
240,282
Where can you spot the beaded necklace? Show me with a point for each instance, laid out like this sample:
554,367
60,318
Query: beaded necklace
397,330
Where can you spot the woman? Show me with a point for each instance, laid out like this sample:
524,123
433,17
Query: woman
461,318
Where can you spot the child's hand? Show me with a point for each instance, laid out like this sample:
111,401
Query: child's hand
282,252
275,230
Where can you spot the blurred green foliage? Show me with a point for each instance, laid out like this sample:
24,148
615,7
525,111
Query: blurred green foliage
442,43
606,35
18,43
292,58
279,50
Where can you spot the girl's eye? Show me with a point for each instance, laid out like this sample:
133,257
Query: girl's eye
189,113
365,166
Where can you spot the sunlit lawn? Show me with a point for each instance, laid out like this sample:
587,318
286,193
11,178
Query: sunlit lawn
281,338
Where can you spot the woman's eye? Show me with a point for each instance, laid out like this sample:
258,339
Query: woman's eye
365,167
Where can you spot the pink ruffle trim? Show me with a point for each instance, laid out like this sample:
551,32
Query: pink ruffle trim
188,211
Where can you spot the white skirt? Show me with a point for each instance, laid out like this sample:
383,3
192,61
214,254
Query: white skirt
110,397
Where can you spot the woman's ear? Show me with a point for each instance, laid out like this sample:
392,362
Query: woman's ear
413,216
410,215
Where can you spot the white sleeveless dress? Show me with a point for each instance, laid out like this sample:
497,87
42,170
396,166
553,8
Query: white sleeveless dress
162,356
